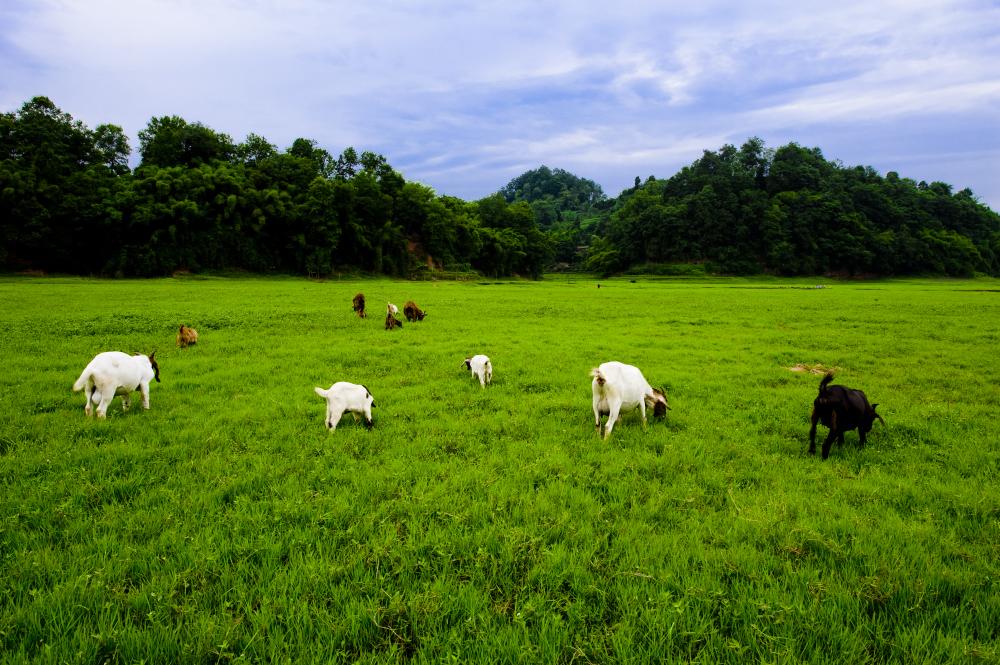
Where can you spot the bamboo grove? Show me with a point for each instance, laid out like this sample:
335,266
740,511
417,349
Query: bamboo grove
71,203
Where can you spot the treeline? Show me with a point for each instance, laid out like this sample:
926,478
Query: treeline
792,212
197,200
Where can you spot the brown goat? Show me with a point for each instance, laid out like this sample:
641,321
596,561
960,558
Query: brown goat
412,312
392,322
359,306
186,336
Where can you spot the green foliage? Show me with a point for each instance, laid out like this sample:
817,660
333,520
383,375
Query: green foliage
565,207
552,194
197,201
471,525
791,212
58,181
172,141
603,258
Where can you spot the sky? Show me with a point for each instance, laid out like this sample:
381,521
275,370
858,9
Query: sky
465,96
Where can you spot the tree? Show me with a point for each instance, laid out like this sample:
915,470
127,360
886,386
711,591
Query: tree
56,177
68,202
306,149
254,150
172,141
112,148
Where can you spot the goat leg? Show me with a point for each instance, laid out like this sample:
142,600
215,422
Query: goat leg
828,443
812,433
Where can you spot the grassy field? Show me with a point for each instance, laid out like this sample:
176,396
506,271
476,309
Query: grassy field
227,525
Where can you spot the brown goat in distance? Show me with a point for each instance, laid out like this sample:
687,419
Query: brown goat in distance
391,321
841,409
359,306
412,312
186,336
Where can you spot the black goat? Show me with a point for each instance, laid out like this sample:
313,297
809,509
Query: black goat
841,409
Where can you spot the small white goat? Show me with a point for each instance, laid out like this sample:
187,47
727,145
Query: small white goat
481,368
343,396
115,373
392,309
618,386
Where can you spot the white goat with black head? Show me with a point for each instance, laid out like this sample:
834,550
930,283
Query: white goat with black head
114,373
618,386
351,397
481,368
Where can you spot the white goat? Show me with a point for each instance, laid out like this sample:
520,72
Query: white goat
115,373
343,396
481,368
392,309
618,386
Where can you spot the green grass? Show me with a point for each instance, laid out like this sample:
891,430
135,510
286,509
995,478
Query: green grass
226,525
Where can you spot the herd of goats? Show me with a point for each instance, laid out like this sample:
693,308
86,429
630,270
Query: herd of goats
616,387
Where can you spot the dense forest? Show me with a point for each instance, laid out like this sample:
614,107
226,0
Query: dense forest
197,200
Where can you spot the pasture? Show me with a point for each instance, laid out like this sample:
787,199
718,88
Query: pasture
227,525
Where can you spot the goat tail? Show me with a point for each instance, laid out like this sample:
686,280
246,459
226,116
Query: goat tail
825,382
596,374
81,383
878,416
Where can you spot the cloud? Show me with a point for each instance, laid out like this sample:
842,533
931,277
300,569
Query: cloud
460,95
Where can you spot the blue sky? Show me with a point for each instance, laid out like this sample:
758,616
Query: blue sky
464,96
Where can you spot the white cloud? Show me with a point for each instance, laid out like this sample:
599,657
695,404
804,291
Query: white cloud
461,93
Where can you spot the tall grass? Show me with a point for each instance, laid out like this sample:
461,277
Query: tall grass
226,525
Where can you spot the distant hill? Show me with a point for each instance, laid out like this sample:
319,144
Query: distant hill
752,209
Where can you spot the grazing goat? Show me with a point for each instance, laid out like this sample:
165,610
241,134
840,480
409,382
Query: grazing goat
343,396
412,312
115,373
186,336
841,409
391,321
359,306
618,386
481,368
